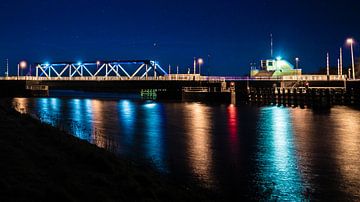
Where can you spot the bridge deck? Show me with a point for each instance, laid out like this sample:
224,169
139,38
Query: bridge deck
179,77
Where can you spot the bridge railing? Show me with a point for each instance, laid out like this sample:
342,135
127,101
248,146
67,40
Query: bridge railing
181,77
315,77
308,77
175,77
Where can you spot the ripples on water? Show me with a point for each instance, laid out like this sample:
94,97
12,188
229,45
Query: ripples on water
264,153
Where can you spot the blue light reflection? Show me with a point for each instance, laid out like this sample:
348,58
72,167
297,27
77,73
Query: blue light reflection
80,118
127,112
154,134
279,173
50,110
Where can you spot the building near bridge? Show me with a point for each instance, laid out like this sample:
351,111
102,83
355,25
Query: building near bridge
275,68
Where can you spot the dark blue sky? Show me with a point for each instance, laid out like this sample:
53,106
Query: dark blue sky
229,35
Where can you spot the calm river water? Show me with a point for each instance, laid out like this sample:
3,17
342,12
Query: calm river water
261,153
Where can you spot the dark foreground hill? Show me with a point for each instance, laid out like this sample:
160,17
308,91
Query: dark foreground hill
41,163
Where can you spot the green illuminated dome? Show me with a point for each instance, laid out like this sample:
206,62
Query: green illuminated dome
275,68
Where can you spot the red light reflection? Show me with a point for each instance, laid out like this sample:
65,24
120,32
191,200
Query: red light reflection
233,127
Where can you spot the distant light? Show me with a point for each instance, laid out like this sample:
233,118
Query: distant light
200,61
79,63
98,62
47,64
297,59
350,41
278,58
23,64
150,105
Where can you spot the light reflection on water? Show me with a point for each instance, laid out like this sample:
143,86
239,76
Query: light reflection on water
233,129
277,159
198,133
348,149
127,111
287,152
153,130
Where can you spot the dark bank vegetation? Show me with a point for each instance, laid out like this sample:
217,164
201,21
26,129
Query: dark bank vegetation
42,163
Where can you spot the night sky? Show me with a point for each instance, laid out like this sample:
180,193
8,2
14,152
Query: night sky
229,35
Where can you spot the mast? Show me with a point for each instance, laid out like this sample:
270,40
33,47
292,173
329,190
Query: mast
341,62
271,46
327,65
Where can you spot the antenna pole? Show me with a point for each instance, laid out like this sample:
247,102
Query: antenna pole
272,46
341,62
327,65
7,67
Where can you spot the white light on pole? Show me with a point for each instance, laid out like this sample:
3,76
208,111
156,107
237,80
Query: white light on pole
341,62
21,65
327,65
350,42
7,67
200,62
297,62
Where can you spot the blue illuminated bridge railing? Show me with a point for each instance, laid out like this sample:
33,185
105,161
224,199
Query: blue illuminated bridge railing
176,77
119,69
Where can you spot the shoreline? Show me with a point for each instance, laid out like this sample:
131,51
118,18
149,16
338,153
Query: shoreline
41,162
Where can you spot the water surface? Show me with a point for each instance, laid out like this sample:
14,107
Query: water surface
261,153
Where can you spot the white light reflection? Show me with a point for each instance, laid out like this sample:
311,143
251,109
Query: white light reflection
347,132
198,128
98,136
21,105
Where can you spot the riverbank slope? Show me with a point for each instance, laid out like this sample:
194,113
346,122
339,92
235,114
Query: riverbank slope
41,163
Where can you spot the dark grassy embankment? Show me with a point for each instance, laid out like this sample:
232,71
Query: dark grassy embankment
41,163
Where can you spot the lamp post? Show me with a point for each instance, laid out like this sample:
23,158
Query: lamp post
200,62
327,66
21,65
350,41
341,62
297,62
7,68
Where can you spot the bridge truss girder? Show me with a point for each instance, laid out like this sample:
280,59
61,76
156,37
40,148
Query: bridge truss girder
119,69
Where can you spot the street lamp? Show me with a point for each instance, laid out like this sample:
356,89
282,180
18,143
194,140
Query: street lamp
21,65
350,41
200,62
297,62
7,68
97,64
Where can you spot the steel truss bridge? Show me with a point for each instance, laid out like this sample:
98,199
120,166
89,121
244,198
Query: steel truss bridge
120,70
138,70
